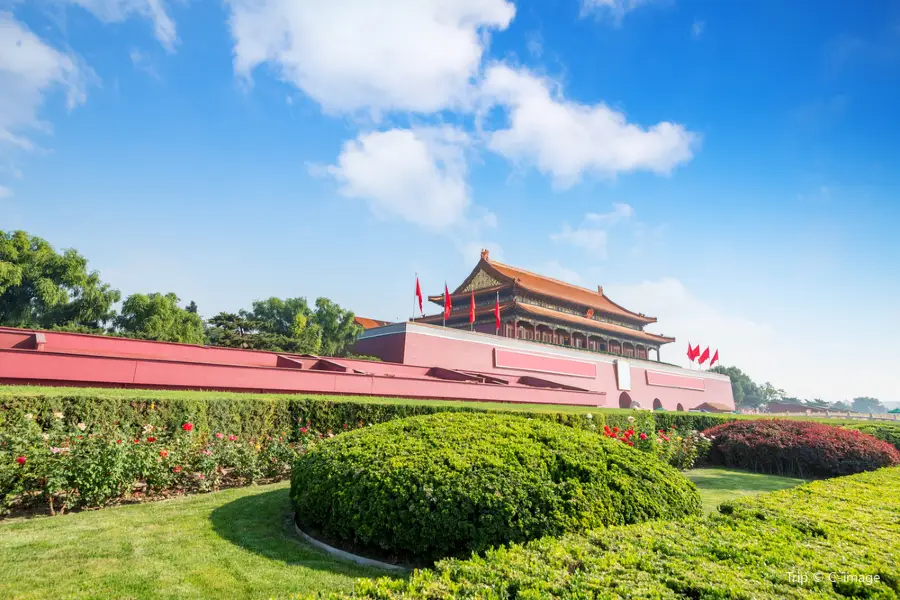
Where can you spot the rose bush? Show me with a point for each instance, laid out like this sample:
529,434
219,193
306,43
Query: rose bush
676,448
797,448
63,465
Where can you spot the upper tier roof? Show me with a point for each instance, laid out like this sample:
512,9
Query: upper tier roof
548,286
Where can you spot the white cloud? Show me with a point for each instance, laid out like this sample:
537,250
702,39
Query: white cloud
619,212
143,62
741,341
5,192
29,70
416,174
568,140
116,11
413,55
697,29
593,234
554,269
616,9
592,240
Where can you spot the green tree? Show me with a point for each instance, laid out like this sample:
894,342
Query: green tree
42,288
158,317
818,403
746,393
234,330
840,405
867,404
339,330
288,325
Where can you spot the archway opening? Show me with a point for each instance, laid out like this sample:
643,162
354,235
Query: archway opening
679,408
624,400
657,405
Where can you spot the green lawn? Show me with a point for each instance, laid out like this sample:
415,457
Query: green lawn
232,544
718,485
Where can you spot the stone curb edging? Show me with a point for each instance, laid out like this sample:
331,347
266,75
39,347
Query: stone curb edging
344,555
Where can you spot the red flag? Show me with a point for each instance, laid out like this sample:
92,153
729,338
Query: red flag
497,311
419,296
690,353
715,358
472,309
696,351
705,356
448,303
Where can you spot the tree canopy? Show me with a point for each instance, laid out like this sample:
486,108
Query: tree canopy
288,325
746,393
158,317
42,288
868,404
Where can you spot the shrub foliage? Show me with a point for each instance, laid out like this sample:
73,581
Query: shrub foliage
67,465
449,484
797,448
838,538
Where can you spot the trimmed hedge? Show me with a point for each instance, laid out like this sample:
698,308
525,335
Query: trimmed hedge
797,448
446,485
256,415
838,538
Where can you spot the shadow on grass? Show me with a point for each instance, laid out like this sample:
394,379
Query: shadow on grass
262,523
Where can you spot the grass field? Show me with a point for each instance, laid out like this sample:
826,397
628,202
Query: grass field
231,544
718,485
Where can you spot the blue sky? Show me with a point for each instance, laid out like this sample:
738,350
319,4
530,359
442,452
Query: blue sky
731,168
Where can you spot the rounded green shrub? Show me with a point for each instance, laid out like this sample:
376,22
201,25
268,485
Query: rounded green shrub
448,484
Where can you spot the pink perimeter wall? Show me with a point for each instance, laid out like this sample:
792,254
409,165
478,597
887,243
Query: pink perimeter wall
673,387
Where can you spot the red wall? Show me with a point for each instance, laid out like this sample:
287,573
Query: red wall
672,383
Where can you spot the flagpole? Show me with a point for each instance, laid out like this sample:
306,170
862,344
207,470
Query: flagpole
444,319
415,298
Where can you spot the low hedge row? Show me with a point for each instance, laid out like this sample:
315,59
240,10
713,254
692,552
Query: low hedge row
256,415
449,484
837,538
797,448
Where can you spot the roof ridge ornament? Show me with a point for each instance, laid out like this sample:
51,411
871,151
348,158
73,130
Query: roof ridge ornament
485,254
600,289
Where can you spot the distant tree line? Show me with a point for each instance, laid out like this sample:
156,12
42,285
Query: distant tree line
41,288
748,394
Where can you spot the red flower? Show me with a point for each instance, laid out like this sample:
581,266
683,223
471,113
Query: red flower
188,426
176,469
643,436
151,440
118,441
220,435
21,460
303,430
137,441
615,430
345,426
231,438
164,453
629,442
